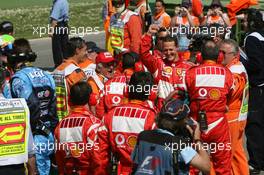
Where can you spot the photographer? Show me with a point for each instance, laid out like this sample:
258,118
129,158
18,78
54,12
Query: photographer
216,15
182,23
158,145
37,87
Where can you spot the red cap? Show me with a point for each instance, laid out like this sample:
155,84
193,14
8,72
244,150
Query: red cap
104,57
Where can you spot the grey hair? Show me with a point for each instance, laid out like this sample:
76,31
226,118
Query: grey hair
231,43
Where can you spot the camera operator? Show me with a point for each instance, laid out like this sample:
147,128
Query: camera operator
254,46
173,122
37,87
208,86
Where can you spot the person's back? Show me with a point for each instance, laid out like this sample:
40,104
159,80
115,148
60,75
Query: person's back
125,122
169,149
37,87
209,85
76,135
155,154
15,120
39,91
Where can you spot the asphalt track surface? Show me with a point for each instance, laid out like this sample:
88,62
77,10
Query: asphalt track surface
43,49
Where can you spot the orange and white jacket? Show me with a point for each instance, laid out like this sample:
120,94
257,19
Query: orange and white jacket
238,100
71,71
162,19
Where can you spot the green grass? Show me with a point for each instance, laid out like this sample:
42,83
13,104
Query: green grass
26,14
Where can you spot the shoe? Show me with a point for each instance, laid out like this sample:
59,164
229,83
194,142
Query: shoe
253,171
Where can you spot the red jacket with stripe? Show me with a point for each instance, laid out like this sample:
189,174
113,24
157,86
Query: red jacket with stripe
77,146
208,86
121,128
169,76
113,93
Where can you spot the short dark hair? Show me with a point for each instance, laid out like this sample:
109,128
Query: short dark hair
166,123
129,59
21,45
209,50
255,19
162,2
80,93
73,44
6,27
171,39
138,84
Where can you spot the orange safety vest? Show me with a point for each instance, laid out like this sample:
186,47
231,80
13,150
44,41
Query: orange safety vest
65,76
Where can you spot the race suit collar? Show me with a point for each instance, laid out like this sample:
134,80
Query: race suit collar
209,62
139,102
79,109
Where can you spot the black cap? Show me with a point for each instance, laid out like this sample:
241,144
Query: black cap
6,27
92,47
175,109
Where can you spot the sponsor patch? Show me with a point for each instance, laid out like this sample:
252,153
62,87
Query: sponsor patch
214,94
119,139
132,141
167,70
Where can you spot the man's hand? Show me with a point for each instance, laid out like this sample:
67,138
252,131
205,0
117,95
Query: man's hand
196,133
153,29
219,12
185,10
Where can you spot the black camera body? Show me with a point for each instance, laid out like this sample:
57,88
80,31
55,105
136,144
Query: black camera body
42,129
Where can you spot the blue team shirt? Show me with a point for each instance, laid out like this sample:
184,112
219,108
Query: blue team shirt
60,10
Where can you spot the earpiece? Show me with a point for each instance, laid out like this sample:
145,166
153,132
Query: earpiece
93,99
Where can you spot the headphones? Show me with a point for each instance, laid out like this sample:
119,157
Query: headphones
93,99
199,58
13,58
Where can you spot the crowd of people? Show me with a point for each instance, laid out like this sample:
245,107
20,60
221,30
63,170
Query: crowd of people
168,95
